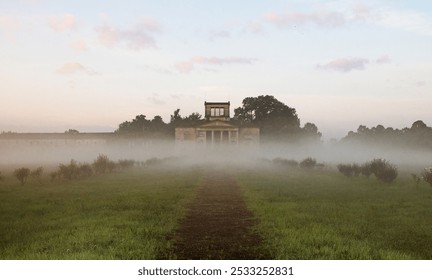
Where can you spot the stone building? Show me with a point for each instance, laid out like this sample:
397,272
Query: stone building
217,129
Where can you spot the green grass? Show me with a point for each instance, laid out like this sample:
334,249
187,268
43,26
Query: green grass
117,216
324,215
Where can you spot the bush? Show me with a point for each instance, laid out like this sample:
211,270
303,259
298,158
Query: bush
85,170
126,163
70,171
349,170
37,173
1,177
383,170
345,169
427,175
308,163
22,174
366,169
103,165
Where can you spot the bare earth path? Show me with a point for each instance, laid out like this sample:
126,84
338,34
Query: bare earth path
218,224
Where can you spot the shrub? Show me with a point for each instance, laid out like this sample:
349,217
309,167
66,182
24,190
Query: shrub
1,177
366,169
103,164
345,169
22,174
70,171
427,175
383,170
349,170
37,173
126,163
308,163
85,170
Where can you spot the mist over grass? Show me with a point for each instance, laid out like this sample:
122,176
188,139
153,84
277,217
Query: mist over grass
303,211
328,153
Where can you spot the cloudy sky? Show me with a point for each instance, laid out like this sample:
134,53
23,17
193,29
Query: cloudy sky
92,64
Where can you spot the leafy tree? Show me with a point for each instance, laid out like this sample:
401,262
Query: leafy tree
275,119
310,132
191,120
140,126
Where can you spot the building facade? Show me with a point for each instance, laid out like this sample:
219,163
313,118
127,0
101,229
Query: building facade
217,129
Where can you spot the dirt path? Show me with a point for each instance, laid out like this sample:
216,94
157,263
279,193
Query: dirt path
218,225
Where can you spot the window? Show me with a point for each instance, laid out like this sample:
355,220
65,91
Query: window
216,112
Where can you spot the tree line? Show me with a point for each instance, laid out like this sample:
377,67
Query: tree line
276,120
419,135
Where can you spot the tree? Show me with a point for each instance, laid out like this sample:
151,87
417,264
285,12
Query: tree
310,132
418,125
140,126
275,119
191,120
71,131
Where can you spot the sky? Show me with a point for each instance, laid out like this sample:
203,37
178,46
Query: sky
90,65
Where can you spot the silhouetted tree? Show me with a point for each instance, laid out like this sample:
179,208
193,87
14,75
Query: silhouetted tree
71,131
140,126
275,119
419,135
310,132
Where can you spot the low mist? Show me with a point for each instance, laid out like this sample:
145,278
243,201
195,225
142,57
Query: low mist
190,154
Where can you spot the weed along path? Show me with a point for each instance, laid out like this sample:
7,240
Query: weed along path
218,224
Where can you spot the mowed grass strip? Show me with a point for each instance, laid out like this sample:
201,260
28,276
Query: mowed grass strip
324,215
115,216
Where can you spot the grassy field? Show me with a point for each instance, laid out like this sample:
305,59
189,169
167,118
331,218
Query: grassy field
317,214
324,215
124,215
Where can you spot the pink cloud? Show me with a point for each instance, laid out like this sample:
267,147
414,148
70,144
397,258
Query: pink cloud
9,23
73,68
137,38
79,45
383,59
188,66
9,26
345,64
322,19
66,22
184,67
